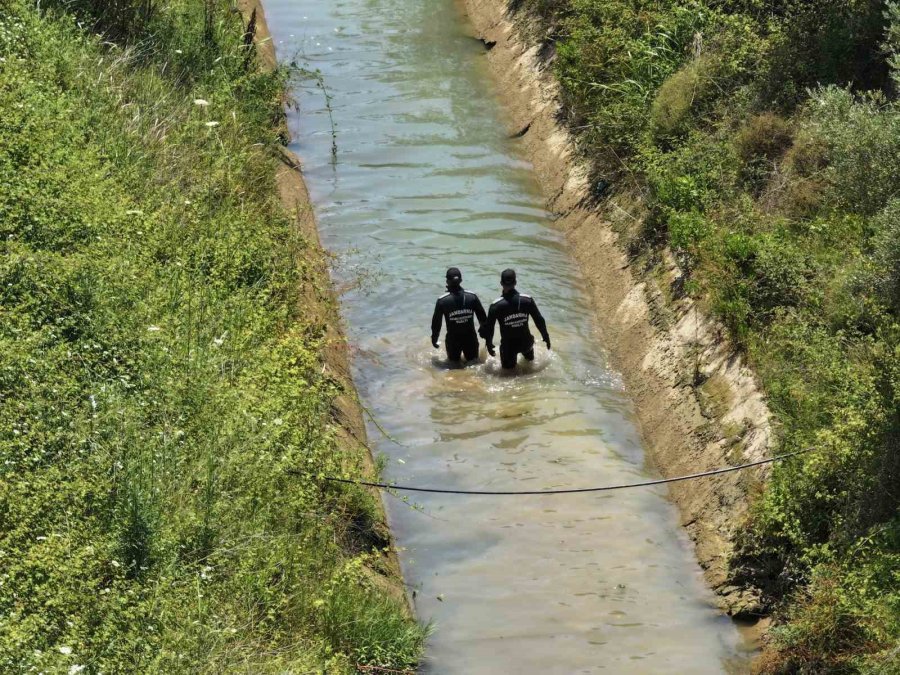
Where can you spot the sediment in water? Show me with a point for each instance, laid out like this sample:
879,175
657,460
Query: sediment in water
320,305
698,406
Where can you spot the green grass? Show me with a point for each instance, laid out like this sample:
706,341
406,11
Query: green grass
765,139
157,373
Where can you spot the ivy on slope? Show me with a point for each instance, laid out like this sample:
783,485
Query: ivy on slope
157,371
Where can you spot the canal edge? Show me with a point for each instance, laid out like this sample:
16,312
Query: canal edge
698,405
322,302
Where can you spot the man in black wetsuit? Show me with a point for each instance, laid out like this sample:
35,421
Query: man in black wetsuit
512,310
459,307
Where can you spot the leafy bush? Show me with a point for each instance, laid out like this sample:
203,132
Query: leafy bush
781,275
891,44
766,136
670,112
611,58
862,141
845,607
832,42
688,231
887,255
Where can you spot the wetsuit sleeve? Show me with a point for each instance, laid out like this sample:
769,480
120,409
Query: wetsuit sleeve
539,320
487,328
436,321
479,312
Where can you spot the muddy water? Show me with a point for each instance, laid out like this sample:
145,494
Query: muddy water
425,178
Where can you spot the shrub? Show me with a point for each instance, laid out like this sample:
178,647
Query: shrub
764,137
781,273
862,137
807,156
688,231
611,58
688,177
760,142
845,606
891,44
670,112
886,255
725,52
732,306
832,42
802,198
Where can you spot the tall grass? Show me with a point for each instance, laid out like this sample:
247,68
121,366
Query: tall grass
158,373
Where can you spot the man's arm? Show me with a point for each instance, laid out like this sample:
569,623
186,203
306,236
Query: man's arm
539,322
487,330
436,320
479,312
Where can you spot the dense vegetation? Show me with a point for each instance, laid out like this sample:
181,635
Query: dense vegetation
764,139
159,372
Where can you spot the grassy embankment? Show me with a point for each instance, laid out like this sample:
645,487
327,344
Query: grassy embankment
762,138
159,371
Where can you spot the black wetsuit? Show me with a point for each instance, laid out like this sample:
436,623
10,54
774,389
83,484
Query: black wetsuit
512,310
460,308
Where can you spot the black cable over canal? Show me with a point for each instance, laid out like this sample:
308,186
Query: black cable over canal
568,491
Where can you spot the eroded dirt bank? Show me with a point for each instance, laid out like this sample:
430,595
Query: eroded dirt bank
698,406
320,301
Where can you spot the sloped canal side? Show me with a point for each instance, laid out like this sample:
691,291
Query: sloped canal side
424,177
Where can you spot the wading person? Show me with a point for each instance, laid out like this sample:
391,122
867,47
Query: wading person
459,308
512,311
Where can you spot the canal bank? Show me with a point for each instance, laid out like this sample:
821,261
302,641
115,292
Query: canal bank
698,406
426,176
320,306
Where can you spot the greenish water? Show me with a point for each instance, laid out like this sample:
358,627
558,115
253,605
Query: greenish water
425,178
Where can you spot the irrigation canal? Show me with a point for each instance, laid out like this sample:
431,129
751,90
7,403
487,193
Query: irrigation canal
424,178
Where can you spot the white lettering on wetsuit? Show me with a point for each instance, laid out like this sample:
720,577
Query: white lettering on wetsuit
460,315
460,308
517,320
512,311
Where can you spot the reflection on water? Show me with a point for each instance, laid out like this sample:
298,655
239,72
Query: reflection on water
426,178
